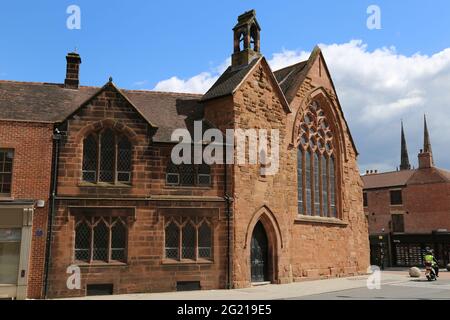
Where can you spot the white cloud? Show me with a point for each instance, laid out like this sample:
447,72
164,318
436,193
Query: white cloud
377,89
197,84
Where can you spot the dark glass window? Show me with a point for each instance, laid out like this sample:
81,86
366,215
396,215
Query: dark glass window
101,242
188,175
124,160
204,241
196,239
308,172
188,242
317,199
172,236
333,212
6,164
118,241
365,200
107,157
398,223
90,159
204,175
325,184
300,180
396,197
83,242
100,239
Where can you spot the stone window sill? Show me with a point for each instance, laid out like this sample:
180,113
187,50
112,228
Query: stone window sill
178,187
320,220
104,185
169,262
101,264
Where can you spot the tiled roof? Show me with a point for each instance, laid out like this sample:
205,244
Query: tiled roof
405,177
430,175
386,180
288,76
42,102
30,101
229,81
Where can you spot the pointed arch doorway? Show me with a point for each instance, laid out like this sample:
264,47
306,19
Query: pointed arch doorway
259,252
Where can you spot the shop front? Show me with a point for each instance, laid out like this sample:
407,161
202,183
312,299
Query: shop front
15,241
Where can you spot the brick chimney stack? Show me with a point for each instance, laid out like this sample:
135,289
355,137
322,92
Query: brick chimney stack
72,80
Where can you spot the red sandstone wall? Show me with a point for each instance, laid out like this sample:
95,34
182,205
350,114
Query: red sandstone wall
300,249
146,270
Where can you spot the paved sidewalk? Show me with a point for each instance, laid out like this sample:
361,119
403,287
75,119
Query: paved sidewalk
268,292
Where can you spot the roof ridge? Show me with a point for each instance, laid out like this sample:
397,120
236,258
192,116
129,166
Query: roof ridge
163,92
389,172
441,173
31,82
99,87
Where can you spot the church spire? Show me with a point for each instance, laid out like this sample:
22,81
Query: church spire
404,163
426,155
426,137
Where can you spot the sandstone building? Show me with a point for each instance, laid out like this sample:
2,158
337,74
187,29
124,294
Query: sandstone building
133,221
409,210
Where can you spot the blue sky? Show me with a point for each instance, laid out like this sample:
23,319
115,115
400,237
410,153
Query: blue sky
146,42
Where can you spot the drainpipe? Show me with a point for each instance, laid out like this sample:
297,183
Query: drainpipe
54,176
228,201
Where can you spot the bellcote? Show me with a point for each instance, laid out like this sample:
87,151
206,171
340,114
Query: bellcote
247,41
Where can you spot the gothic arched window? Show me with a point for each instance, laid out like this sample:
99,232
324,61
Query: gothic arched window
316,165
188,238
100,239
107,157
